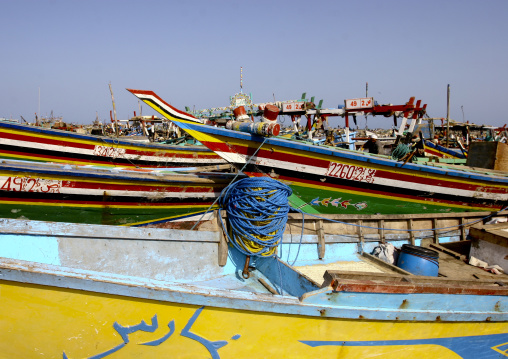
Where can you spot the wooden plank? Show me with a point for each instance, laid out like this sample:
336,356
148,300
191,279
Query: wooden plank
381,230
462,229
394,277
384,266
447,251
360,233
411,232
321,239
223,245
408,287
80,230
502,225
436,234
498,237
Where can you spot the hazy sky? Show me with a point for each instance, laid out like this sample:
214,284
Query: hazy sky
190,53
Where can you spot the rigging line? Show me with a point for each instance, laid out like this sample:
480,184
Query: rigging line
408,230
233,180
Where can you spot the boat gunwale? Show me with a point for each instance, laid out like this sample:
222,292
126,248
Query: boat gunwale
147,289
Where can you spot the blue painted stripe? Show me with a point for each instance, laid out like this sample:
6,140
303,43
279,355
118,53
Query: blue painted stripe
40,249
468,347
456,154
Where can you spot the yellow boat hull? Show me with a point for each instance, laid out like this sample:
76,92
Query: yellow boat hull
48,322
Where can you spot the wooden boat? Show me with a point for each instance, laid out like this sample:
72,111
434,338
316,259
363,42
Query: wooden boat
436,150
88,291
32,143
329,180
82,194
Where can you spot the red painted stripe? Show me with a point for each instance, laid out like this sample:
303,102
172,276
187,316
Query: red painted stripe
441,182
163,188
302,159
267,153
104,203
433,152
39,138
48,158
164,153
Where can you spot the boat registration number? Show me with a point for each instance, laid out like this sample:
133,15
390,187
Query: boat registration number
29,184
354,173
106,151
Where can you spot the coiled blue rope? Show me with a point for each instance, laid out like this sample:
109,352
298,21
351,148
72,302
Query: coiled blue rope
400,151
257,210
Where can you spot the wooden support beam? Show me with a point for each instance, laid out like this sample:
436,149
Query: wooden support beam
411,232
223,244
360,232
321,239
462,229
381,230
434,226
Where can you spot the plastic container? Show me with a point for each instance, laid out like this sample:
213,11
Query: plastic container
418,260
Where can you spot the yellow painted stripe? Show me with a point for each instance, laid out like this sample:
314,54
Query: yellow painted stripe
204,137
138,206
168,114
200,136
171,217
55,160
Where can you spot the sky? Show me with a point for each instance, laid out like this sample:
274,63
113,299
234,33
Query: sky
61,56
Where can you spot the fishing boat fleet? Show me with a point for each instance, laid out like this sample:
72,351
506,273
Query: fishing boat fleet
123,248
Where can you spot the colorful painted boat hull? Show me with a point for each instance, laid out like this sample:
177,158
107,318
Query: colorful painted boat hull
65,302
87,324
51,192
432,149
31,143
333,181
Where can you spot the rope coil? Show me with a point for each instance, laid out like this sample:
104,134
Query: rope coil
401,151
257,210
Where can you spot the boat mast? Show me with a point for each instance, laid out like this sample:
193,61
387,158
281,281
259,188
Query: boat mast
448,117
114,110
241,79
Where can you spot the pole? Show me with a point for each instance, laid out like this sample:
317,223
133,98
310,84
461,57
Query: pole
114,109
448,117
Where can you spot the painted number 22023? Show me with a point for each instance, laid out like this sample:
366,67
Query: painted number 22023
354,173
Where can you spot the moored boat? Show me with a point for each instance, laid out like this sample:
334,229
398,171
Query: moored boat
329,180
144,292
115,196
33,143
